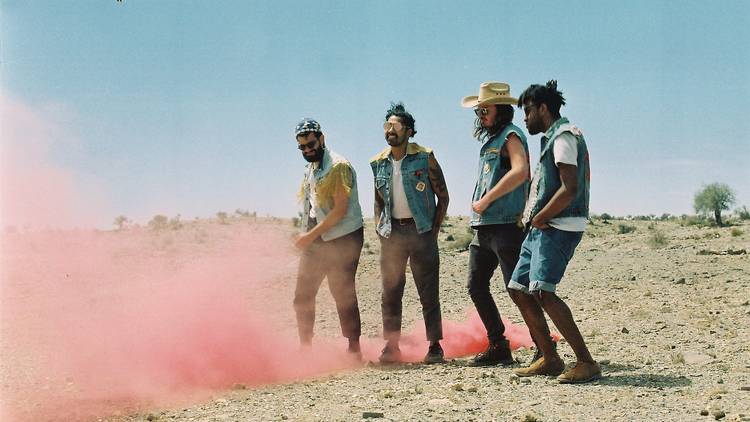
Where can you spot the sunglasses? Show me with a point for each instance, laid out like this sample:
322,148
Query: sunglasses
309,145
397,126
479,111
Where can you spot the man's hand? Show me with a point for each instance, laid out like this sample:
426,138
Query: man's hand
539,223
480,206
303,240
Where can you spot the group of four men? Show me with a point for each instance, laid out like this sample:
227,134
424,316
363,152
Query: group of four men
528,227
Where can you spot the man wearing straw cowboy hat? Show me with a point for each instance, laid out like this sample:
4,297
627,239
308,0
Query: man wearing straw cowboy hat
331,238
408,178
557,210
497,205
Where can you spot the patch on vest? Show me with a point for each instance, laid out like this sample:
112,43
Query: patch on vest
420,186
486,168
576,131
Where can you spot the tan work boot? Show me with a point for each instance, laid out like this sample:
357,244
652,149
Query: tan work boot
542,366
581,372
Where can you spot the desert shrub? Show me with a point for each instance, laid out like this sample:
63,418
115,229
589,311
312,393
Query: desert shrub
666,216
625,229
175,223
295,221
159,222
695,220
605,216
450,238
651,226
222,216
460,241
658,240
736,232
742,213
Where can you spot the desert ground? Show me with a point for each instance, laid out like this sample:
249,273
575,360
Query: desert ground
664,307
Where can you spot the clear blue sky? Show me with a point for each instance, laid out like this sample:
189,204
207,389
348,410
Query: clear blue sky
188,107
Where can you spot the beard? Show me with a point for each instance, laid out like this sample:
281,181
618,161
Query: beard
396,140
315,157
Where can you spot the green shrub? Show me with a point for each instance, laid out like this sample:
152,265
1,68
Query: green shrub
159,222
625,229
460,242
736,232
743,213
658,240
605,216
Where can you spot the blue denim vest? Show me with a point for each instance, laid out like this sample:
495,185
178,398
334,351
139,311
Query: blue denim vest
549,175
353,218
416,176
492,168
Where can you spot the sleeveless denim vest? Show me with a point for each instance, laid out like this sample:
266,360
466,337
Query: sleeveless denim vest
416,177
549,175
492,168
353,218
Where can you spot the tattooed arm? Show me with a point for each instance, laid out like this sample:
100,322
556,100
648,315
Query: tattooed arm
437,181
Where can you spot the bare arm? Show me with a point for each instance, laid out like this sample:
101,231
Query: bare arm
561,199
379,204
340,207
437,181
519,170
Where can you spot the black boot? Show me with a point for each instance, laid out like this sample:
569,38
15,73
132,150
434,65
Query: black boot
497,353
434,354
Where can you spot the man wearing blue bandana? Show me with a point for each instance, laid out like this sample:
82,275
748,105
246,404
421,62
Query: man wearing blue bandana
408,179
557,209
332,236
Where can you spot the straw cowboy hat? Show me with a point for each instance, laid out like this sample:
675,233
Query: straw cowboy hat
490,93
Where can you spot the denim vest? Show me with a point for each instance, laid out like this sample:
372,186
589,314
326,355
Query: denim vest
492,167
549,176
416,177
353,218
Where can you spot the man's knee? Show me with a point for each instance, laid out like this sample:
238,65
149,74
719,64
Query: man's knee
544,297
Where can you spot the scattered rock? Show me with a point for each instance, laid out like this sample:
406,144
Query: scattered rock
604,362
372,415
458,387
625,330
704,412
680,280
745,388
151,417
472,389
632,278
531,417
514,379
718,414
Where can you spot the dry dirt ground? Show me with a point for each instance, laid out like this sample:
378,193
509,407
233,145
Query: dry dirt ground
664,308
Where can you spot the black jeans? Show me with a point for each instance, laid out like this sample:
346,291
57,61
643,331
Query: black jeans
492,245
422,253
338,260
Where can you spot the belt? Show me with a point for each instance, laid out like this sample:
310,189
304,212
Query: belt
402,221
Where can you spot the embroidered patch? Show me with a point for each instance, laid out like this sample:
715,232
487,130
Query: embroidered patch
576,131
420,186
418,173
486,168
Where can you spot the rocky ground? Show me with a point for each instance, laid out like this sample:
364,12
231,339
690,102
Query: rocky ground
664,308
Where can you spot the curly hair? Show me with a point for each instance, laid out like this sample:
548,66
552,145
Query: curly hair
544,94
399,110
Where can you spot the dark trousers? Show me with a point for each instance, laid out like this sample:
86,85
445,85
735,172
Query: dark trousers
336,259
422,253
492,245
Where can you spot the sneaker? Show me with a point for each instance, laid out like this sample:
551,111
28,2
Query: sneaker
434,354
390,354
497,353
542,366
581,372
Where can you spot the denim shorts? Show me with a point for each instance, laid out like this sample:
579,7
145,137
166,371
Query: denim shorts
544,256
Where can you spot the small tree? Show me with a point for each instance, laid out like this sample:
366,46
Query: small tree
716,197
121,222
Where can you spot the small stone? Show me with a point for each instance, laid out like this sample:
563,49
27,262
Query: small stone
531,417
718,414
625,330
680,280
604,362
632,278
514,379
151,417
458,387
472,389
525,380
704,412
695,358
745,388
372,415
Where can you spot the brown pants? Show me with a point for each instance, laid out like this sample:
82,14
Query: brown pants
338,260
